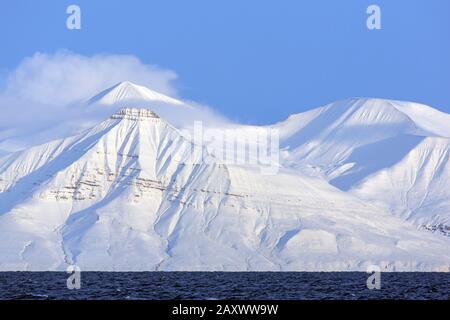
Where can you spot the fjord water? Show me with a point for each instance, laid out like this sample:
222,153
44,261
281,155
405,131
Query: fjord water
224,285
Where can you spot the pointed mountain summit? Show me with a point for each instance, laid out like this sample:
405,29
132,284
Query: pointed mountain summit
127,91
123,94
133,194
348,124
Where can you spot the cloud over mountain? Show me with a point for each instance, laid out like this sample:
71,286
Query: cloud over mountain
46,96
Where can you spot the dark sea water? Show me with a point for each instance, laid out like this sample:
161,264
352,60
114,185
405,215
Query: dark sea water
223,285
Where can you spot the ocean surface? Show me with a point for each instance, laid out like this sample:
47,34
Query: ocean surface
223,285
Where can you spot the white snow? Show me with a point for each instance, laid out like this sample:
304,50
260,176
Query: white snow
128,91
391,153
133,194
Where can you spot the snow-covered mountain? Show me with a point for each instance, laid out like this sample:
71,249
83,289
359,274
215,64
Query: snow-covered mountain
393,154
126,91
133,194
84,114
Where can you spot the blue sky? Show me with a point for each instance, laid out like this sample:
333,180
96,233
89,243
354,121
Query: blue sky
254,61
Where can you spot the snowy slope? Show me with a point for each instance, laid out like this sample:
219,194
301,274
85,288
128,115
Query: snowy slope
416,187
392,153
328,135
128,91
133,194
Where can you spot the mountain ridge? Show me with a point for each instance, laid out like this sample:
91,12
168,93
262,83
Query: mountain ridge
353,141
132,194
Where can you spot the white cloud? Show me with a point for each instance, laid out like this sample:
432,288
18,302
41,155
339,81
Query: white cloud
45,97
65,77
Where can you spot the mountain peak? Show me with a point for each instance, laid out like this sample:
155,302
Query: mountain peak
128,91
425,119
410,117
135,195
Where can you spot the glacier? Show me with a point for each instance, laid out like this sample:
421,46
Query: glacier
361,182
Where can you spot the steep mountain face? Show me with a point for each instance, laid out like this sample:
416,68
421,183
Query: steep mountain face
393,154
133,194
53,195
416,187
